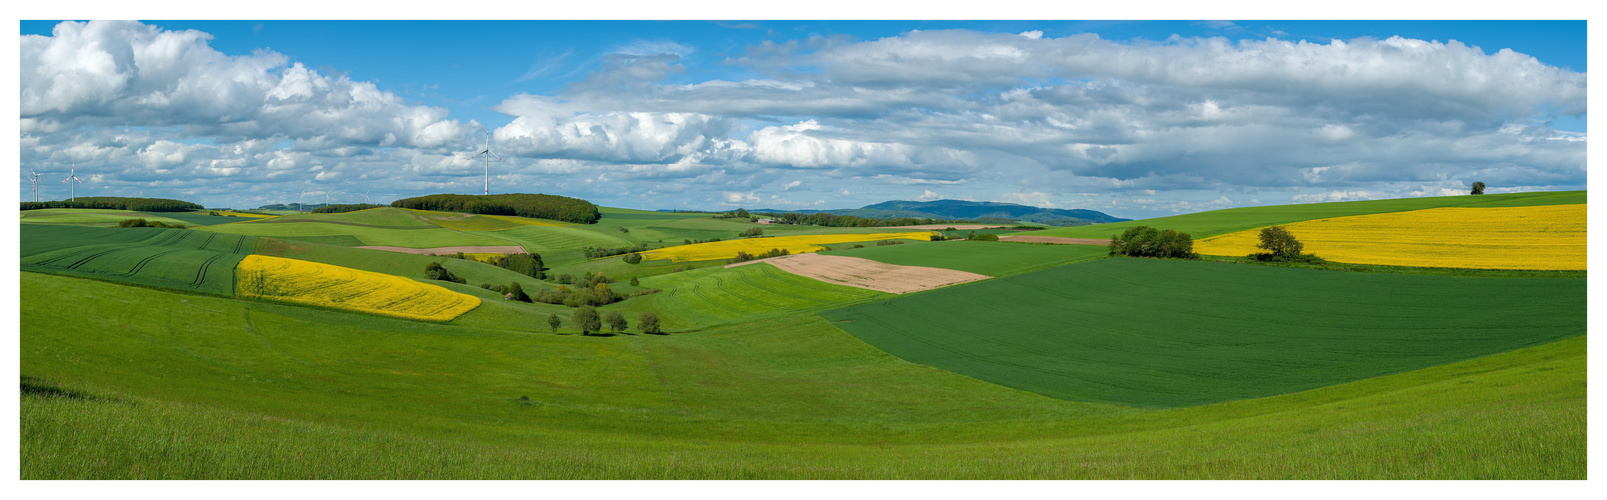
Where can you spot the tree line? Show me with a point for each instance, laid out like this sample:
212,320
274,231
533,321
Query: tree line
832,220
541,206
117,203
343,208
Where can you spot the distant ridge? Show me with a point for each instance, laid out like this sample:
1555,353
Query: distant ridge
983,211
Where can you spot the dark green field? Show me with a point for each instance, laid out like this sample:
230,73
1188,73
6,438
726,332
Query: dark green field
181,259
1164,333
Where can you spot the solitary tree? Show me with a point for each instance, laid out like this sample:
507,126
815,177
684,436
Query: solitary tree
616,321
585,318
1478,187
1280,243
635,282
553,321
647,323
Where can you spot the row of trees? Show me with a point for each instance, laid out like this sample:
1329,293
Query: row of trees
833,220
117,203
745,256
1145,241
543,206
588,321
600,252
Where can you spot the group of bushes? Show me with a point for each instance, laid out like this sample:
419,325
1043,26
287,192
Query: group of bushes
543,206
117,203
434,271
751,232
351,207
690,241
1145,241
883,243
148,223
745,256
588,321
600,252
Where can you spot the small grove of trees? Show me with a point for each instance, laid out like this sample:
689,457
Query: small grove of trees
633,258
434,271
648,323
600,252
117,203
883,243
585,318
982,237
616,321
528,264
542,206
735,214
351,207
148,223
1145,241
1478,187
581,296
1281,246
752,231
745,256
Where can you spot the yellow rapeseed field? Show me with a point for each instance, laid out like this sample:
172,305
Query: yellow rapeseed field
1537,238
312,283
794,244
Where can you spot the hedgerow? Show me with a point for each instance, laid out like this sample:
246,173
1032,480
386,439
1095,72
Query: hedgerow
540,206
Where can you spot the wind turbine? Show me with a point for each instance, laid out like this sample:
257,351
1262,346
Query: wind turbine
35,178
365,196
73,176
299,201
487,160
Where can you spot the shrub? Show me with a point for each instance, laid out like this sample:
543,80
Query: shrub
633,258
647,323
986,237
883,243
434,271
616,321
586,319
553,322
623,229
148,223
752,231
635,282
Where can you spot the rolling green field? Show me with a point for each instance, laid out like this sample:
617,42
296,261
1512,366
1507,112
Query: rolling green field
93,217
171,258
158,393
1205,224
992,258
715,296
328,232
1166,333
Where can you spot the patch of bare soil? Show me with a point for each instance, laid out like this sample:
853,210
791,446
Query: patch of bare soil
868,274
451,250
1054,239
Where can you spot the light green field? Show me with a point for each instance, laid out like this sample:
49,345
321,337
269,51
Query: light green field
325,232
715,296
991,258
91,217
1205,224
156,392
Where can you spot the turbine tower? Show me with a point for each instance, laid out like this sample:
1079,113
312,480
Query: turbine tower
300,205
487,160
35,176
73,176
365,196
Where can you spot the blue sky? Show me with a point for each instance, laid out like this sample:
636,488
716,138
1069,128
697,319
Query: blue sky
1149,118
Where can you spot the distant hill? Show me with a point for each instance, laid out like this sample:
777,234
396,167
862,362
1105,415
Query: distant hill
968,210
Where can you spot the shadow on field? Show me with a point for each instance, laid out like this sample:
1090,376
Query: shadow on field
41,388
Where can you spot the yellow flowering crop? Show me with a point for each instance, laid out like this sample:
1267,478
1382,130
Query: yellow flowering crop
794,244
312,283
1543,238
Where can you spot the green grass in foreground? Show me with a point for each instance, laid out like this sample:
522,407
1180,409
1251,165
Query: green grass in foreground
1166,333
134,383
992,258
1206,224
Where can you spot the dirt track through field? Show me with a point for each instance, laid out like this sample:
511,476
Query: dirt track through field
450,250
868,274
1053,239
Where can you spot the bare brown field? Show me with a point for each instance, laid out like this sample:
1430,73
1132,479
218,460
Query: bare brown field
866,273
